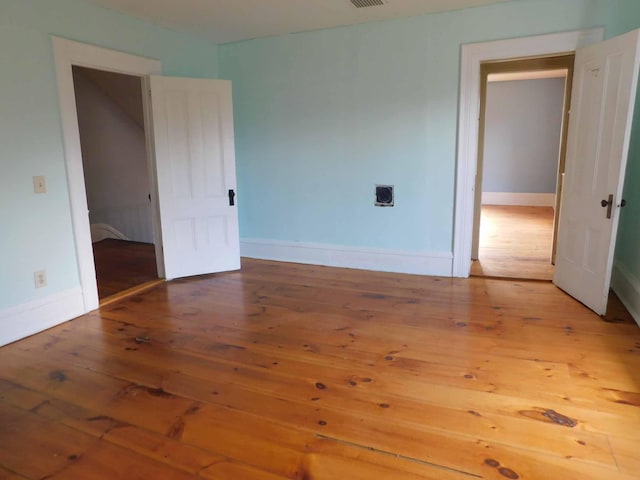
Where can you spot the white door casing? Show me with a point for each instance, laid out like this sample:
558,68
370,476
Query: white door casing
68,53
195,163
468,120
604,90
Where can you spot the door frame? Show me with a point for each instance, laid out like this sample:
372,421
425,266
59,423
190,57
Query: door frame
469,113
68,53
537,65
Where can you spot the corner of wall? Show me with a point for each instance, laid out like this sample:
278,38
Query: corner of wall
24,320
627,288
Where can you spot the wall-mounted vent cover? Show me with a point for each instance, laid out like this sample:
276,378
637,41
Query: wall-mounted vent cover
367,3
384,196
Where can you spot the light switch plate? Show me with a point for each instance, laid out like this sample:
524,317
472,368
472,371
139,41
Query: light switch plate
39,184
40,278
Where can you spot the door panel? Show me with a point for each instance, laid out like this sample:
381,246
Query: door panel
195,161
605,81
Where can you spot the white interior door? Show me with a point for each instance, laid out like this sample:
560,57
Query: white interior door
195,163
604,92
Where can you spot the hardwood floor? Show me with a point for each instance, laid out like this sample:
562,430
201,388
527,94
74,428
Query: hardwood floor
515,242
121,265
302,372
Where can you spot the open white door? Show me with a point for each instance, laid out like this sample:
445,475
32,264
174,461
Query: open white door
604,92
195,162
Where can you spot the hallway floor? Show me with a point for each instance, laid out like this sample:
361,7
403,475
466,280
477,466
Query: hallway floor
122,264
515,242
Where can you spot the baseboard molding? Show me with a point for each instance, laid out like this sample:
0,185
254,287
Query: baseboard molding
33,317
627,288
519,199
383,260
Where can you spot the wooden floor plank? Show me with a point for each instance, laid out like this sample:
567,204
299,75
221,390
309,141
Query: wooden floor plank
8,475
123,264
260,389
515,242
290,371
63,452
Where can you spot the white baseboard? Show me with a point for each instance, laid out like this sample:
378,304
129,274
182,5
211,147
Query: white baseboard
519,199
627,287
33,317
383,260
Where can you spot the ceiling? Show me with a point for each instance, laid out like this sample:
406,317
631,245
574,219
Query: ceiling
224,21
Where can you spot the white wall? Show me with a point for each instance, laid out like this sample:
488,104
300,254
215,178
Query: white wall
522,136
114,155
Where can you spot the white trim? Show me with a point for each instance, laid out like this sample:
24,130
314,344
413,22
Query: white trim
153,174
627,288
398,261
519,199
33,317
66,54
469,107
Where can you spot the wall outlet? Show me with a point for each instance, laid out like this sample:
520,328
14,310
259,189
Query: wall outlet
40,278
39,184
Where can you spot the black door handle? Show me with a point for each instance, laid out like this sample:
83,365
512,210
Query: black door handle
232,198
608,204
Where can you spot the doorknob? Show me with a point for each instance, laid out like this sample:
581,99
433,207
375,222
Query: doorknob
608,204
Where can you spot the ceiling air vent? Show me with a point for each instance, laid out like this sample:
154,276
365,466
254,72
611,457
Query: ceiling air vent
367,3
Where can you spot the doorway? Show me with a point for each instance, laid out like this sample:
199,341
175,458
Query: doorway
602,110
194,213
524,109
473,55
117,180
68,54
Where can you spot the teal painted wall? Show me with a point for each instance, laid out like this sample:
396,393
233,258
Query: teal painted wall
36,229
628,247
320,118
323,116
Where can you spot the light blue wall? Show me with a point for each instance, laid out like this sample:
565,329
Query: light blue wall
523,122
36,229
320,118
323,116
628,247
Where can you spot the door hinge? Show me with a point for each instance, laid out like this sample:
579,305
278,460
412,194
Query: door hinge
232,198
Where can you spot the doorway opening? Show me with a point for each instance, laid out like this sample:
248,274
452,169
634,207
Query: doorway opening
524,110
118,186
